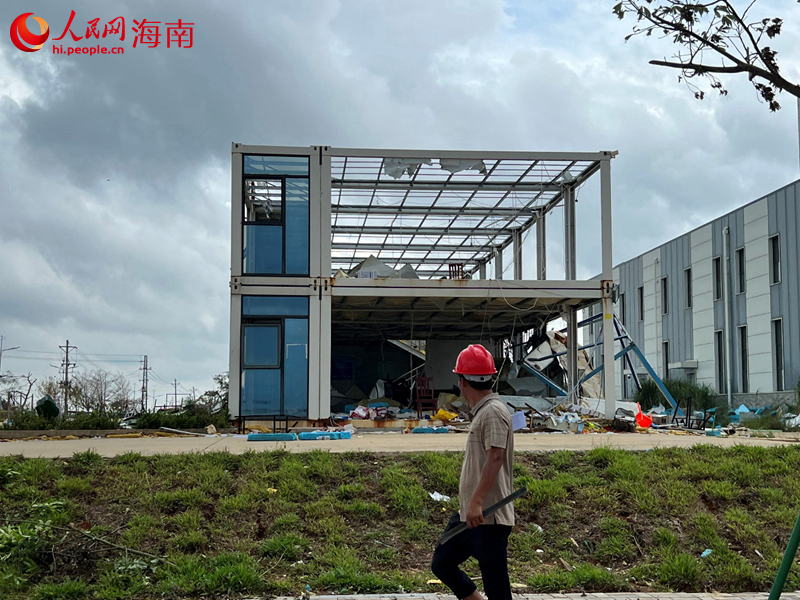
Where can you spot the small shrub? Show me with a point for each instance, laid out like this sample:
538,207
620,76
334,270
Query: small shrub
349,491
582,577
415,531
73,486
197,418
286,522
287,546
366,510
681,572
66,590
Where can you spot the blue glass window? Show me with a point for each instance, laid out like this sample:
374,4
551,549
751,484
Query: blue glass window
275,165
261,345
261,392
297,210
295,368
263,250
274,306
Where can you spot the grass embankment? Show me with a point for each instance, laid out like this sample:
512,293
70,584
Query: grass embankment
274,523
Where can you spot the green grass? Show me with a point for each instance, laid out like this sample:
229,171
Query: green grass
266,523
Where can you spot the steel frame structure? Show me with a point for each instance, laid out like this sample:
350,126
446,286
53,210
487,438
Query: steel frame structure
429,209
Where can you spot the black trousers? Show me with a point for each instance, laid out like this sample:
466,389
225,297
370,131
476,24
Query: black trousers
489,545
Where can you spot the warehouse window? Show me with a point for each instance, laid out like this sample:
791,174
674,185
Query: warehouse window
719,352
622,308
743,359
717,264
664,296
665,369
641,303
774,259
687,278
741,281
777,353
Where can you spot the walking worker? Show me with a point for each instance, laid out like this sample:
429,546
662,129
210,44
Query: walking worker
487,476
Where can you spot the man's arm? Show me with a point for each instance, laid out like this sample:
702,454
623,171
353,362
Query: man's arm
494,461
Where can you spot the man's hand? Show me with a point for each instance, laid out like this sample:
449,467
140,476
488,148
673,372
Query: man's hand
474,515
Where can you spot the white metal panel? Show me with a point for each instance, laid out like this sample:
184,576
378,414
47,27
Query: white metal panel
316,219
316,400
480,288
324,212
237,214
324,366
651,271
272,150
756,232
468,154
234,358
703,305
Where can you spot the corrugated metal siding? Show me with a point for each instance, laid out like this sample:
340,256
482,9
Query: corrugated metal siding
676,325
735,223
784,220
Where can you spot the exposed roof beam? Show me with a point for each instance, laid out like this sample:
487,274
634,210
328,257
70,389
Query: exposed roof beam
407,230
337,262
354,245
455,211
461,186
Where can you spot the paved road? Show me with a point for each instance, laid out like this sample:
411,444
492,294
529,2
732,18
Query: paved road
370,442
614,596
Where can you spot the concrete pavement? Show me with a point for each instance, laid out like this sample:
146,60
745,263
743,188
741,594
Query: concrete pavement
368,442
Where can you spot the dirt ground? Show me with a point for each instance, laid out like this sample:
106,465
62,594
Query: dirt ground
368,442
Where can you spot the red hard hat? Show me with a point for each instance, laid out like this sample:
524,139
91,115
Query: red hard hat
476,363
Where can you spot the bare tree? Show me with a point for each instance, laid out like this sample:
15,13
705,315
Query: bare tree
216,399
714,38
99,390
15,390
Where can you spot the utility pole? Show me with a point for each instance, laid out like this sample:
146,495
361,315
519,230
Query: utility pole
144,369
67,366
2,337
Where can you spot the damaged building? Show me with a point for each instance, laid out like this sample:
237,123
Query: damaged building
361,272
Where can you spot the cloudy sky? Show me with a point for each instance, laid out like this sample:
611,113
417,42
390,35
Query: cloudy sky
114,170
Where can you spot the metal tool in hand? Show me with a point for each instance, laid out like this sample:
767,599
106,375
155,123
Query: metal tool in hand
451,533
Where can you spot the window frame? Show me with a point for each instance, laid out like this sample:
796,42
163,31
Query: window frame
688,291
778,355
716,274
720,370
744,359
640,303
664,283
741,271
774,242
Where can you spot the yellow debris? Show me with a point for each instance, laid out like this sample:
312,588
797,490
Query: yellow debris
272,490
445,415
434,582
125,435
70,437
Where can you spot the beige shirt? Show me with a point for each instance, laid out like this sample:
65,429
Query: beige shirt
490,428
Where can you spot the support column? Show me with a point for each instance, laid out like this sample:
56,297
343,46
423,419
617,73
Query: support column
498,264
517,237
541,247
609,387
572,353
570,260
482,270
